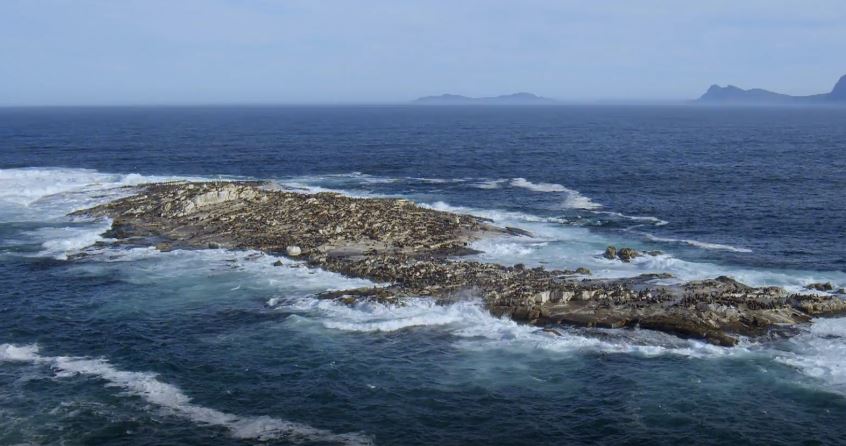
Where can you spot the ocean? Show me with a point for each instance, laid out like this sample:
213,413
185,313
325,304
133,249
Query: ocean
128,345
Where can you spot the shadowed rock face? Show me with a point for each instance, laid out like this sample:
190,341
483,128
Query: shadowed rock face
406,247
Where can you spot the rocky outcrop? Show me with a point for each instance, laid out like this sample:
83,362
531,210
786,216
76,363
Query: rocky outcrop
251,215
624,254
827,286
413,250
627,254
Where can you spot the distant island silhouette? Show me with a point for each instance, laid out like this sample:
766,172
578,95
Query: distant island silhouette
716,95
735,95
508,99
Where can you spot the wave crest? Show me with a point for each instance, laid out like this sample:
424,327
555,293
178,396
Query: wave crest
574,199
698,244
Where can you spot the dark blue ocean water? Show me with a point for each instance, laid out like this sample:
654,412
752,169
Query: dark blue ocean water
128,345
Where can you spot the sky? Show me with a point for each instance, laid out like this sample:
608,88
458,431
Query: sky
101,52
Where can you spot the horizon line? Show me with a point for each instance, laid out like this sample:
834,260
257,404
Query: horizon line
410,102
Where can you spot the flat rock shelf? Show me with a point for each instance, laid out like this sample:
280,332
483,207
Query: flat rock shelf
417,251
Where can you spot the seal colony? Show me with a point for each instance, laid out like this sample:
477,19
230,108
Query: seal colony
417,251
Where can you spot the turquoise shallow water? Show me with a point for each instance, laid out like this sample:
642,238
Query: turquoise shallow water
128,345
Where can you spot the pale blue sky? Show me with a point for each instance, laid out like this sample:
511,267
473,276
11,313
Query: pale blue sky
276,51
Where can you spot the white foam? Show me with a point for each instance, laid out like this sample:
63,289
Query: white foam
820,353
375,317
698,244
10,352
499,216
574,199
25,186
654,220
682,270
170,397
307,188
558,245
474,328
48,193
359,178
538,187
435,180
60,242
507,248
489,184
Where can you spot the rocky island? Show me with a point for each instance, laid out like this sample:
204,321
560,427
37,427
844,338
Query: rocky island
739,96
522,98
416,251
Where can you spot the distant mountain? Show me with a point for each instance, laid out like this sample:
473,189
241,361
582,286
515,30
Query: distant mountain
838,93
734,95
508,99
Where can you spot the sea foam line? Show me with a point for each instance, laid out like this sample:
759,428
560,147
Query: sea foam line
168,396
698,244
489,184
538,187
574,200
654,220
474,328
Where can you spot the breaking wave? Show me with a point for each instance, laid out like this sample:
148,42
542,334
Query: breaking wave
25,186
473,327
574,199
538,187
646,218
60,242
820,353
169,397
489,184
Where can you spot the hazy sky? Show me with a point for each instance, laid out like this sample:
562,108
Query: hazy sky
277,51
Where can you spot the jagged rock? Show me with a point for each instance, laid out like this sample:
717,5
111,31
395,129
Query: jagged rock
610,253
820,286
518,231
278,263
627,254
